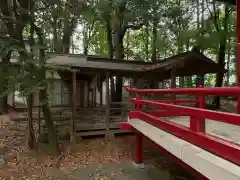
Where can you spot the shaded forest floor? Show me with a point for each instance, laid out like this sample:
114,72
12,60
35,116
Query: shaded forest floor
25,164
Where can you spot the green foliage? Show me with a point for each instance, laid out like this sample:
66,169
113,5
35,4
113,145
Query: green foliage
177,31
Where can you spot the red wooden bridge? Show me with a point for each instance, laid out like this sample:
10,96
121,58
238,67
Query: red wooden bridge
204,153
209,156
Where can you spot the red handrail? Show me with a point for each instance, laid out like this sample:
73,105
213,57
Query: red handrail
196,133
223,148
220,91
173,101
196,112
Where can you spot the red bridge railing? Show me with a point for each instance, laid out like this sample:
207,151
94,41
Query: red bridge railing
195,134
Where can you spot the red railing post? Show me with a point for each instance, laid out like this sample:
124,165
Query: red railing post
198,124
201,123
138,105
138,136
139,153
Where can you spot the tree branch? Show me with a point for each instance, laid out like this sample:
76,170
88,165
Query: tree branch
213,14
91,29
216,16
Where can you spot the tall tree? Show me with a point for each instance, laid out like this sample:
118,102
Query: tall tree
154,36
120,25
43,95
221,27
16,17
31,135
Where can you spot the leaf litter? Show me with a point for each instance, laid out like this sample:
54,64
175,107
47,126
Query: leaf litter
25,164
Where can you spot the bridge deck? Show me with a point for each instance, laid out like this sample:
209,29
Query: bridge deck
218,129
211,166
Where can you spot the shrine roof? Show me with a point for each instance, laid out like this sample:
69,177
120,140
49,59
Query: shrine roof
186,64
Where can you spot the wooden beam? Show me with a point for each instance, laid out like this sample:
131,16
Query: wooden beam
181,82
101,132
101,94
94,92
173,81
73,118
173,78
88,90
107,104
82,93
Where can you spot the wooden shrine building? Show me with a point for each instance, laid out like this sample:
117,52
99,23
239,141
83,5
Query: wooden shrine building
79,86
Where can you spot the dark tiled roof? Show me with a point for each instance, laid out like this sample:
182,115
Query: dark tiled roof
187,59
186,64
79,61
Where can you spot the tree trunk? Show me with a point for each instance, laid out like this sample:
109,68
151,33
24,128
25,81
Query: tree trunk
154,40
120,28
110,55
180,50
43,97
4,83
154,46
66,40
85,40
52,135
67,33
3,97
14,31
55,35
198,15
127,46
180,41
221,55
228,62
188,78
110,41
68,29
31,136
119,55
147,42
202,19
220,75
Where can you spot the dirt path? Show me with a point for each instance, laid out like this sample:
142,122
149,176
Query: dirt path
126,171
